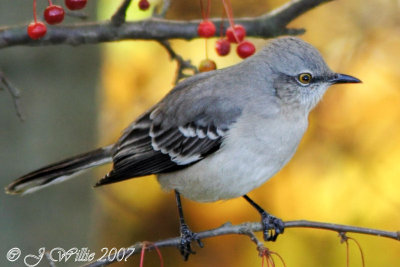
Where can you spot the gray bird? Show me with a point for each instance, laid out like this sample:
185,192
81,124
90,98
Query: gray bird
216,135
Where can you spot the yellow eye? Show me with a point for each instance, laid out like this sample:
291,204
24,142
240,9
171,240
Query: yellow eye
305,78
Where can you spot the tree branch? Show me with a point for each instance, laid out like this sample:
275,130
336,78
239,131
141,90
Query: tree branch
165,6
340,228
182,64
266,26
119,17
14,92
248,229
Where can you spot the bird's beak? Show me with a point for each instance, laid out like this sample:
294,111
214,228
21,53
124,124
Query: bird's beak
343,78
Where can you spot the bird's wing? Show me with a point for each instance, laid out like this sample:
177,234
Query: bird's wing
162,140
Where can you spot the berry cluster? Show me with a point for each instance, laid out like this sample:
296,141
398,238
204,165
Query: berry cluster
236,33
53,14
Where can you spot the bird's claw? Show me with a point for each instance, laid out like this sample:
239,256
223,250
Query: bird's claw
272,226
187,237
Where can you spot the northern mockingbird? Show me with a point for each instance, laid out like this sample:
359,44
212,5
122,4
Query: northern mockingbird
216,135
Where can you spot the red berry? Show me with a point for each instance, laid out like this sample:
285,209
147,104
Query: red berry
245,49
206,29
240,33
75,4
36,30
207,65
223,47
54,14
144,4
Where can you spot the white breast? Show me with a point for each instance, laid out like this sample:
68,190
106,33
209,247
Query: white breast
249,156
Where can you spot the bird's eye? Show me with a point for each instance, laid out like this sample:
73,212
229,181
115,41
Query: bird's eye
304,78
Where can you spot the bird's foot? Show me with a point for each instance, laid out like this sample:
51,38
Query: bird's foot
272,226
187,237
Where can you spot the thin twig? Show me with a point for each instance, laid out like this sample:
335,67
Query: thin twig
119,16
253,238
248,228
165,6
183,65
14,92
268,25
342,228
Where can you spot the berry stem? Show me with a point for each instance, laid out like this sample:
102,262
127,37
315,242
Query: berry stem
206,46
34,11
50,3
205,14
221,25
229,13
208,9
202,10
142,254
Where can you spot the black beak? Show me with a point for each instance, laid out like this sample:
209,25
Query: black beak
343,78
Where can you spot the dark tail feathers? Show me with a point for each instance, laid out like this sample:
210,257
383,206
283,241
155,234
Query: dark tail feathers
60,171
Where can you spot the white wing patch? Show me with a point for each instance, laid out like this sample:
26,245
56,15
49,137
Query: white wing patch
186,144
187,131
211,132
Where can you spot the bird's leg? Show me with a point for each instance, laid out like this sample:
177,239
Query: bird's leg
187,236
272,226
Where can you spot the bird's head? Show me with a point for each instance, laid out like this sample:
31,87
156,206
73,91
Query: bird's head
300,75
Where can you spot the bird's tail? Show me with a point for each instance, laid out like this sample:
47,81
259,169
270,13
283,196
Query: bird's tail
60,171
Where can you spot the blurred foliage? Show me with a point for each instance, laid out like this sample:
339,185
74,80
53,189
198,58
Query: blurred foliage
345,171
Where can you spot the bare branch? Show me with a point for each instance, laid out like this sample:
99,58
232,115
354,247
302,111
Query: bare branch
266,26
291,10
183,65
165,7
248,229
14,92
342,228
119,17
